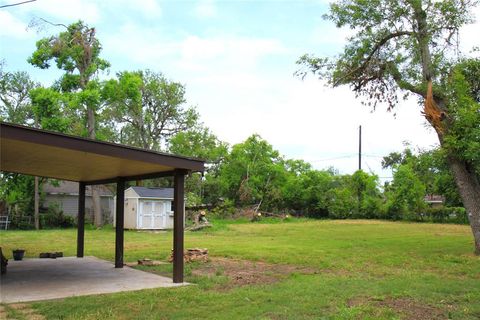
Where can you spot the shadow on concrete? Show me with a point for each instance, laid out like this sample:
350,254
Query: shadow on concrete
44,279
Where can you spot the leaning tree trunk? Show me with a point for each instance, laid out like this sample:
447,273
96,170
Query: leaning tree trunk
435,113
465,177
463,173
469,189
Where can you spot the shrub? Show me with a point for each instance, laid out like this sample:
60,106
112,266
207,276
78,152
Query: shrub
224,210
21,221
54,218
446,215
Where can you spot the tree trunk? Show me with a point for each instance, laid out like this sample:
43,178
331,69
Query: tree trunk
97,210
36,214
96,207
465,177
469,189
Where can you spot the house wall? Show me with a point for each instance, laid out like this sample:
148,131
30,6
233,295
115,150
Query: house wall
69,205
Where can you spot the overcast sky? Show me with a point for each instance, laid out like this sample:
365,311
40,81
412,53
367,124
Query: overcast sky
236,59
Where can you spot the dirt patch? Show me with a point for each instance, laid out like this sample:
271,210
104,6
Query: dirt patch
244,272
19,306
405,307
26,311
3,312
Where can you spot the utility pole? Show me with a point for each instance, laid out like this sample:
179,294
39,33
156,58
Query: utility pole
359,205
360,147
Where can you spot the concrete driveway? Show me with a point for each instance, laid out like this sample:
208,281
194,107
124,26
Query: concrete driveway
43,279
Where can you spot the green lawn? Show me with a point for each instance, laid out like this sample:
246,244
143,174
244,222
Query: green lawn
363,270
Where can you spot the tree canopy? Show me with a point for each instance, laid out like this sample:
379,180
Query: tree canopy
150,108
411,47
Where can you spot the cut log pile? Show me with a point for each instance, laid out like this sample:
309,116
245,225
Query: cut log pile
197,227
192,255
254,214
199,222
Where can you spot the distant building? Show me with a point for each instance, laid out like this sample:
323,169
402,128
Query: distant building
65,195
148,208
434,200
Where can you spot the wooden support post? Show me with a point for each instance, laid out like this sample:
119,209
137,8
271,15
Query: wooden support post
119,223
178,225
81,220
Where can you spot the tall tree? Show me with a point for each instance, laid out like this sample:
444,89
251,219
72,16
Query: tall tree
47,107
200,142
253,173
15,105
150,107
77,52
409,46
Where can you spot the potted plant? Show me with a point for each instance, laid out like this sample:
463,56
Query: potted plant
18,254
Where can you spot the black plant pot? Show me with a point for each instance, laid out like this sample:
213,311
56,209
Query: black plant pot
18,254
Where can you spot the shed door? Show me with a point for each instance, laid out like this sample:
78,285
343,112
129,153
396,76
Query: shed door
153,215
145,215
159,220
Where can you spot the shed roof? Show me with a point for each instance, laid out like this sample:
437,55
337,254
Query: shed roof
161,193
55,155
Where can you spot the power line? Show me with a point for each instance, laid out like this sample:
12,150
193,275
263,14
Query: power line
346,156
360,147
335,158
371,156
16,4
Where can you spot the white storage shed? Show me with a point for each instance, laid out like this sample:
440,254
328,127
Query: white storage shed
148,208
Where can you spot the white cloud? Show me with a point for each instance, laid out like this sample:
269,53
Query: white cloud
188,53
327,35
147,8
133,44
469,37
225,54
11,26
205,9
65,11
237,98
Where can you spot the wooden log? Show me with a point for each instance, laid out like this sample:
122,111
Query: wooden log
194,254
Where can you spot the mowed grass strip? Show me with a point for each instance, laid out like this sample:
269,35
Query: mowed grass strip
364,269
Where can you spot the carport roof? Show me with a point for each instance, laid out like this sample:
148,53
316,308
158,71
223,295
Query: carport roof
55,155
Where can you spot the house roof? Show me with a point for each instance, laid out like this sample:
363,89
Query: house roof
434,198
65,157
161,193
71,188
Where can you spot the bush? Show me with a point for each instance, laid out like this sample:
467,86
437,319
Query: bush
21,222
446,215
54,218
343,204
224,210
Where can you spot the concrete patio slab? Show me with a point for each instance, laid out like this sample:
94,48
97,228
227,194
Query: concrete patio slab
44,279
